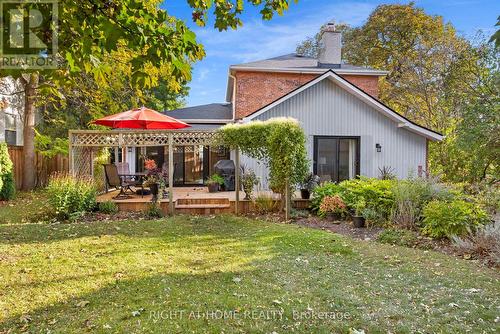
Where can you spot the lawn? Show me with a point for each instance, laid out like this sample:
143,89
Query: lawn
231,275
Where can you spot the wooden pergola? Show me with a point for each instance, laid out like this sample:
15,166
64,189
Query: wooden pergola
83,145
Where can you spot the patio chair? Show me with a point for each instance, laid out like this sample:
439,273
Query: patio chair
114,180
124,169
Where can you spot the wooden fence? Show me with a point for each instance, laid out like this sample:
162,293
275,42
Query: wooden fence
44,166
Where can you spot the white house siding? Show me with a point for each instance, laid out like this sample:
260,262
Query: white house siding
326,109
14,106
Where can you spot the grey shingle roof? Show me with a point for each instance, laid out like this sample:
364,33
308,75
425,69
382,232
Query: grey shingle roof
294,61
212,111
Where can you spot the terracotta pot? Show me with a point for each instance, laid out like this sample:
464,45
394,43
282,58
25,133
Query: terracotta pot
213,187
305,193
358,221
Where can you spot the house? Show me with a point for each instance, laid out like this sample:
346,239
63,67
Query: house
349,131
11,111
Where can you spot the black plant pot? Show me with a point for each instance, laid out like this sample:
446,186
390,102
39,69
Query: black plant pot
154,191
335,217
358,221
305,193
213,187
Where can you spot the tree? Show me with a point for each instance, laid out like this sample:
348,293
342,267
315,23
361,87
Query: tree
434,75
89,30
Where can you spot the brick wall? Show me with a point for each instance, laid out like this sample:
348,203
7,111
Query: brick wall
255,90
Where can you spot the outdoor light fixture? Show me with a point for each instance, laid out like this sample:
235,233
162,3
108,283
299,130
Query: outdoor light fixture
378,147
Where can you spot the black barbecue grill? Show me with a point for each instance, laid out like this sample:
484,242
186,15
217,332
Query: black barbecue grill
226,168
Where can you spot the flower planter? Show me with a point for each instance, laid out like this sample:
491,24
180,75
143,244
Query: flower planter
213,187
305,193
358,221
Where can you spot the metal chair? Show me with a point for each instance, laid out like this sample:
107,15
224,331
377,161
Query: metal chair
124,172
114,180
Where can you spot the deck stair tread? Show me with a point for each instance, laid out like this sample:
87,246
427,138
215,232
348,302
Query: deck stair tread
202,206
202,203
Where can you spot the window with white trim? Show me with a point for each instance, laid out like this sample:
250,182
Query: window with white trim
10,129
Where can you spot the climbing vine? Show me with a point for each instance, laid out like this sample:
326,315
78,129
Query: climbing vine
278,142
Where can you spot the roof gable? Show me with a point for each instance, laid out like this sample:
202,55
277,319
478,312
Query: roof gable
400,120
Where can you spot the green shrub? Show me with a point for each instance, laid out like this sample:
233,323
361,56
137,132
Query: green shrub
70,196
7,183
153,210
454,218
108,207
320,192
410,197
377,195
397,237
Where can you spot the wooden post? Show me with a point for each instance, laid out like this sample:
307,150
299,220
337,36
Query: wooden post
237,181
287,200
71,154
170,174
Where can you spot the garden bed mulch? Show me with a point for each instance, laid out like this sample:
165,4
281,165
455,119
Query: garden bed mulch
340,227
371,233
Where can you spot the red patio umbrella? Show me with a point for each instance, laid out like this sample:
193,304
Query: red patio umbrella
141,118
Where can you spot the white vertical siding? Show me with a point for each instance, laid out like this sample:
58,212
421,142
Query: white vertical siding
326,109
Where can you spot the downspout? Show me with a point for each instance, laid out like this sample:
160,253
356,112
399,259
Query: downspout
233,97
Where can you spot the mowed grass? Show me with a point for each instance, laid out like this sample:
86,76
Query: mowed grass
26,207
231,275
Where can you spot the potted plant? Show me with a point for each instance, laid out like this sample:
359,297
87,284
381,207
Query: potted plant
248,181
358,220
214,182
310,182
333,207
155,178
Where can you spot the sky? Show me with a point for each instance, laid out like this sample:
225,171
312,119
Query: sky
258,39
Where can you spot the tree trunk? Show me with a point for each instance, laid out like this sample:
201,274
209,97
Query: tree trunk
30,84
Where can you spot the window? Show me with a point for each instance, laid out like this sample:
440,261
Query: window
10,129
336,158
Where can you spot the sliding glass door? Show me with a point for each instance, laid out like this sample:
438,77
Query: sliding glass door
192,164
336,158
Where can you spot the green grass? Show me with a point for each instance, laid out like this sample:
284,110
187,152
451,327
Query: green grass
26,207
118,277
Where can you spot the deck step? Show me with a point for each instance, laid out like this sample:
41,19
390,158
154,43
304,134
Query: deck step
202,206
203,201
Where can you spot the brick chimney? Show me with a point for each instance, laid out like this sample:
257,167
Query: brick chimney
330,52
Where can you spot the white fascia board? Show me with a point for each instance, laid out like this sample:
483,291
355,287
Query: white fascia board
307,70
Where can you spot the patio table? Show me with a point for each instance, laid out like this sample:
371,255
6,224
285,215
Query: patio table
138,177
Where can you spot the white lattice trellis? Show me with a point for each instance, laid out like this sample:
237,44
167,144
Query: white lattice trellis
83,143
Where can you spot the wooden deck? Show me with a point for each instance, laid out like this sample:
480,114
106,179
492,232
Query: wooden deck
196,200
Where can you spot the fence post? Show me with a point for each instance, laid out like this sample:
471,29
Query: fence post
71,154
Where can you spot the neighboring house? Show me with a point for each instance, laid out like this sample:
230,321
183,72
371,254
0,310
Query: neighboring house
349,131
11,111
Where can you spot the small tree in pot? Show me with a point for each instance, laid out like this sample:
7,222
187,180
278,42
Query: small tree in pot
248,181
358,220
310,182
214,182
